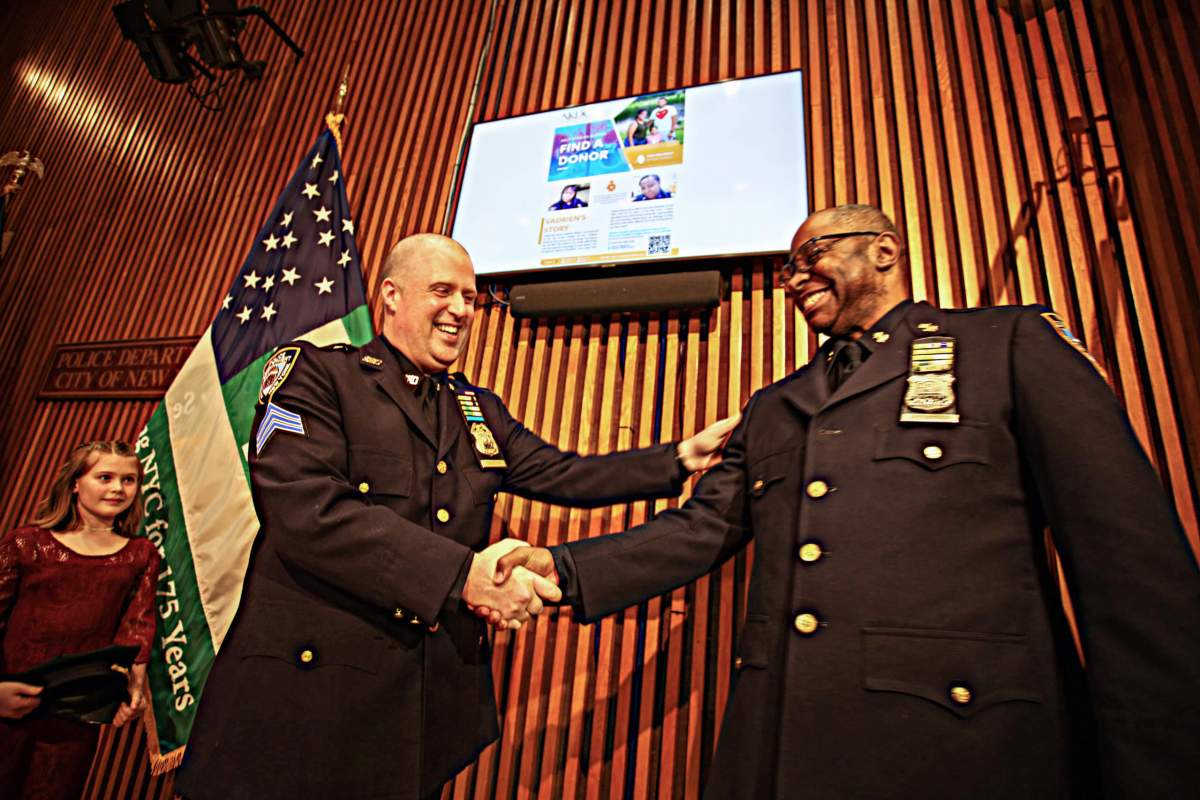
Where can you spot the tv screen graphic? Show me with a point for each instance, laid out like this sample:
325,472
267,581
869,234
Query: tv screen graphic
703,171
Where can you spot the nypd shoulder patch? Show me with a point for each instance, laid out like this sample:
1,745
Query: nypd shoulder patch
1060,327
276,370
275,419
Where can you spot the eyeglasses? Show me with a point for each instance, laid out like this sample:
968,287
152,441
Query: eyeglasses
807,255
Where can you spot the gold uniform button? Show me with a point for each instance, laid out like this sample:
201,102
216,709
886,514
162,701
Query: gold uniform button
810,552
306,656
807,624
880,336
817,489
737,662
441,468
398,614
364,487
960,694
932,452
928,327
443,515
758,485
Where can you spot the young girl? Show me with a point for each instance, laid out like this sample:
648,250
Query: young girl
72,581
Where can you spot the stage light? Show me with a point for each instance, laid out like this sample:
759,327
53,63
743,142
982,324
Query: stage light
181,26
164,55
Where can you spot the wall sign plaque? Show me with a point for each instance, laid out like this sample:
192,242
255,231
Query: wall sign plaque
139,369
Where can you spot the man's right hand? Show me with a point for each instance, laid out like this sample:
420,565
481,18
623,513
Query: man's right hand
508,603
18,699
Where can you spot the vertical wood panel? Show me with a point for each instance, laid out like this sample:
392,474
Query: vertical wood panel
1045,159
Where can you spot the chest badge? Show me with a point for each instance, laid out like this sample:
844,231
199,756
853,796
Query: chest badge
487,450
485,443
930,395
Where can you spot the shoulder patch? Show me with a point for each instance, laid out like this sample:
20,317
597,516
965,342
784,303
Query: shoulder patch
276,370
1060,327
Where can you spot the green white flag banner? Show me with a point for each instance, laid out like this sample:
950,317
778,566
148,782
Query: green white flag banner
301,280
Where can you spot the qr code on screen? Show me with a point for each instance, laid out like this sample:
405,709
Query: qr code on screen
659,244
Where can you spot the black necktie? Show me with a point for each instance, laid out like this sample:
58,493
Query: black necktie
429,399
847,357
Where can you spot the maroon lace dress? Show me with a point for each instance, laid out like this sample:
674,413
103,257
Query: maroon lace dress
54,601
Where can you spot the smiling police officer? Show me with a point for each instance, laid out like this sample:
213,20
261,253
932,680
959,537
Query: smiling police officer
904,632
355,667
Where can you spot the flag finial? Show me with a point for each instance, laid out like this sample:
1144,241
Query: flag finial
335,117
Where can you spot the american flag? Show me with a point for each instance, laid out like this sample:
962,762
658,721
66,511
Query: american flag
302,279
303,269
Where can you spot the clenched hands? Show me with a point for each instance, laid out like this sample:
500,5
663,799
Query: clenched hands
506,603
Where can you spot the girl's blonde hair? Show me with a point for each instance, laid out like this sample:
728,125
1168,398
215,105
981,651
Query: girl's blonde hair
56,512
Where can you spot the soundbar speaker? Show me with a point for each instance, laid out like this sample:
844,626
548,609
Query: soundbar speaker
607,295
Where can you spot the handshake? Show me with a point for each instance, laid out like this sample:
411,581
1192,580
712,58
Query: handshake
509,582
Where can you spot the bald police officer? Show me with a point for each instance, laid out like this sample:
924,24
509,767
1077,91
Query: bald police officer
355,667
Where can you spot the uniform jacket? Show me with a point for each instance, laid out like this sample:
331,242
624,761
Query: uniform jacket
331,682
936,660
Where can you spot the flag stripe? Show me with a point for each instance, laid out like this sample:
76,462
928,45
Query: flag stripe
180,614
218,511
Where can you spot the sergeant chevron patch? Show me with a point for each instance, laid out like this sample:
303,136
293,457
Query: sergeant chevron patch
1060,327
276,419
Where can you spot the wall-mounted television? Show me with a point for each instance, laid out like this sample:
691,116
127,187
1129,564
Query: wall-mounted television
702,171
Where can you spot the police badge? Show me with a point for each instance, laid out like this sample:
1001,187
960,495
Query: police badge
487,451
485,443
930,393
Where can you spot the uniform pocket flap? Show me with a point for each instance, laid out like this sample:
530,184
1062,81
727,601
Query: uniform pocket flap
319,649
752,642
961,671
934,448
380,473
768,470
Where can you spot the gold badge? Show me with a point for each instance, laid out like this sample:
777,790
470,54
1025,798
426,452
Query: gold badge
487,451
372,361
485,443
930,393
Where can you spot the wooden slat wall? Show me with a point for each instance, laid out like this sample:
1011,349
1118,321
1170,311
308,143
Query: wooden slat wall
1043,159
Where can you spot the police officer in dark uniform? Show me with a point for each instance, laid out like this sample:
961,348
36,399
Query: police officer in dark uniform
904,633
355,668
